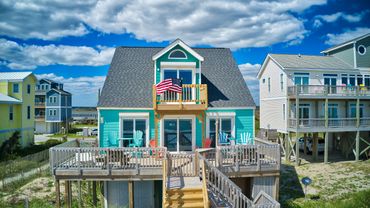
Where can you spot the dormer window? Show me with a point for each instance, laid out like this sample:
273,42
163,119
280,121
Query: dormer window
177,54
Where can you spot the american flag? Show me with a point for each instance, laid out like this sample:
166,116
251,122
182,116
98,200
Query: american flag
174,85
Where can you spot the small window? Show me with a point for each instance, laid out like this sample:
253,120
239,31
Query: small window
29,89
361,50
269,84
28,112
15,88
177,54
263,81
55,99
10,112
282,82
284,112
50,99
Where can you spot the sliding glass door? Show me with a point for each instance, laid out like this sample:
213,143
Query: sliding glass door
178,134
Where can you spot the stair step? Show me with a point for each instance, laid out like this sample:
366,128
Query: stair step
190,196
184,190
185,205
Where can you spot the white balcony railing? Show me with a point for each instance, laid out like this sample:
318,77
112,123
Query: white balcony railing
326,90
332,123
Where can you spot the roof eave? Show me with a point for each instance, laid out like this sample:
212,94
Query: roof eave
173,44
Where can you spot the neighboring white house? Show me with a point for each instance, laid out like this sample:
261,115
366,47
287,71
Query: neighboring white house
332,92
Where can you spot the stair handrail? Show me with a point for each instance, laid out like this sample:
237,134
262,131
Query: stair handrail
233,194
204,187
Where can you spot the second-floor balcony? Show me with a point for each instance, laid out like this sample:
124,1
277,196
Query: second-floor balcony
193,97
329,91
332,123
39,104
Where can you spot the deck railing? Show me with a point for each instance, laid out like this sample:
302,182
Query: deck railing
254,157
332,123
223,191
328,90
77,155
191,94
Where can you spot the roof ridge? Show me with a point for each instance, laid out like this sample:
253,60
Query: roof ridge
164,47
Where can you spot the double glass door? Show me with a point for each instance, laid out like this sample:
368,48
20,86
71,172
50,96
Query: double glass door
178,134
301,81
186,77
304,115
331,82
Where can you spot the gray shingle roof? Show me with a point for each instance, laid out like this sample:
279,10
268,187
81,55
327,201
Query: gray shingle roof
310,62
130,79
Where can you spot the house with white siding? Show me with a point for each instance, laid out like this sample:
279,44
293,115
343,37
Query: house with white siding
318,100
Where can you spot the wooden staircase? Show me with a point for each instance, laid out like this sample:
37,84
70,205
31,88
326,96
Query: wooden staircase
183,189
184,197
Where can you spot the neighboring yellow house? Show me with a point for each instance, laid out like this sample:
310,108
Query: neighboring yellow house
17,106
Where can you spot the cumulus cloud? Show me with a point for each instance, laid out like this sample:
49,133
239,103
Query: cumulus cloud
45,20
233,24
16,56
334,39
330,18
83,89
249,72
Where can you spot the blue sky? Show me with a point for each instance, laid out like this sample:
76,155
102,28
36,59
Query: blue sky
74,43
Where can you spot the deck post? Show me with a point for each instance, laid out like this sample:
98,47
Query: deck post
79,194
287,147
305,146
131,194
277,186
314,147
297,126
326,147
67,192
57,193
95,200
296,149
357,145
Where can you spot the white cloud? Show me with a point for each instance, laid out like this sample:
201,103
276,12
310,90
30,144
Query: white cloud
43,19
233,24
249,72
334,39
84,89
330,18
19,56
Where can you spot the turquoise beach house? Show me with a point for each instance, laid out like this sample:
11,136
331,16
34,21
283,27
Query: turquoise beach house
176,129
213,92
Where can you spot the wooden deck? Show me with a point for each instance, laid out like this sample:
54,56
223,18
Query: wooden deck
146,163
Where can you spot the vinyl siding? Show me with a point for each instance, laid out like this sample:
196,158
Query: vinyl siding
345,53
271,114
273,72
363,60
244,120
266,184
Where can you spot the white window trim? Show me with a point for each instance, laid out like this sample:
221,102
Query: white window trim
169,55
358,50
177,117
135,116
230,115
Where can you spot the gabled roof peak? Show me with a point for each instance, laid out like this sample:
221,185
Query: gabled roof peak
180,43
345,43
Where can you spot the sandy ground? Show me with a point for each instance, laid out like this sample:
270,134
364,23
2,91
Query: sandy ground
328,180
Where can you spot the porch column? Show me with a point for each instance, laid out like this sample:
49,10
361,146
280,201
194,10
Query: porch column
297,133
326,147
358,145
314,146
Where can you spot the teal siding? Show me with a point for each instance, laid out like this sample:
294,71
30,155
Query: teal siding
345,54
110,127
244,120
164,58
363,60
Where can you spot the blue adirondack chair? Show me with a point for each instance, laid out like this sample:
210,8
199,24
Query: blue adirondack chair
245,138
137,140
223,139
112,139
